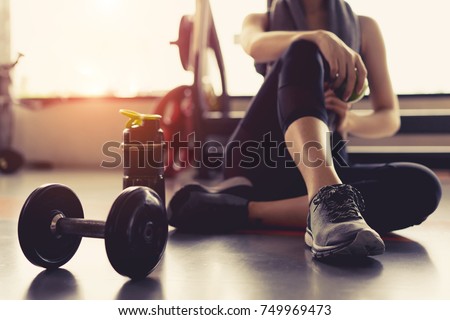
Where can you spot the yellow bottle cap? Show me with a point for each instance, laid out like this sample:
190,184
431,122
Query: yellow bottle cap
136,119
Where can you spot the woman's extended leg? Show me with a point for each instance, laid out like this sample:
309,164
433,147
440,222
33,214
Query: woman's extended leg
285,213
397,196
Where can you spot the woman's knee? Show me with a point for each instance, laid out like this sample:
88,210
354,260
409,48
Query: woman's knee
303,48
419,187
300,85
302,63
400,195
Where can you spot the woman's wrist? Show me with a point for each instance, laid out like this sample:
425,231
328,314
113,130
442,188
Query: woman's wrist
314,36
318,36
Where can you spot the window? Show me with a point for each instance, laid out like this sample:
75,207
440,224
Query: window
97,47
121,47
415,33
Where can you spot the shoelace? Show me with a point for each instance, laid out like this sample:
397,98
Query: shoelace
343,202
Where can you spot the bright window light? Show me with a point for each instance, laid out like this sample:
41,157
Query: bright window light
414,32
97,47
416,39
121,47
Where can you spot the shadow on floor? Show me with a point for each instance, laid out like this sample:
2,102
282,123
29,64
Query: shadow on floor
58,284
145,289
265,266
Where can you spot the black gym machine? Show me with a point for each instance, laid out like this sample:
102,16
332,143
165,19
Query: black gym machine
10,159
208,114
197,108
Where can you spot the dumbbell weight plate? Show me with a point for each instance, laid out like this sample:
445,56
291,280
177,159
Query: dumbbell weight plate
38,243
10,161
136,232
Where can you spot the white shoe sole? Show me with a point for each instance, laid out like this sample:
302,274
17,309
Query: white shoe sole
366,243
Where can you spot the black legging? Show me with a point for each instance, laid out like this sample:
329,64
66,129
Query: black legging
397,195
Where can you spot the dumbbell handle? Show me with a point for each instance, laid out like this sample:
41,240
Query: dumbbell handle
77,227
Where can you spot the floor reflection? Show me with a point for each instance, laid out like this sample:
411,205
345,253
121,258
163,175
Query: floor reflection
410,272
58,284
342,278
234,266
265,266
145,289
354,278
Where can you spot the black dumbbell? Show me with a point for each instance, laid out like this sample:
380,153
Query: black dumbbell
10,161
51,225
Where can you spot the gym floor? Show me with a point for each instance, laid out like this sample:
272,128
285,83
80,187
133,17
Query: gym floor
244,265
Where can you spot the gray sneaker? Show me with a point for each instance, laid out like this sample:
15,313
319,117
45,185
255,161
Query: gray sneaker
335,226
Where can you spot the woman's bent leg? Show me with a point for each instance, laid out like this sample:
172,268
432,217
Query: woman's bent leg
334,225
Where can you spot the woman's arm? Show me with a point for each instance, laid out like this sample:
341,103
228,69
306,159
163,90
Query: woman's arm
268,46
265,46
384,121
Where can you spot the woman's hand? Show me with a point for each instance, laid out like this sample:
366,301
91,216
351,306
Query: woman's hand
341,108
346,65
